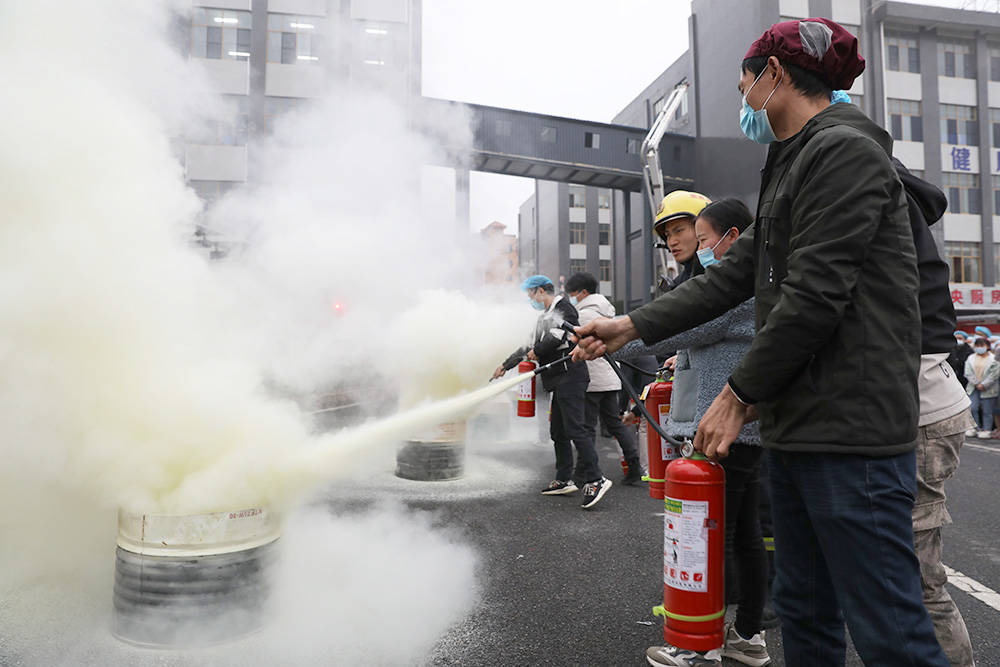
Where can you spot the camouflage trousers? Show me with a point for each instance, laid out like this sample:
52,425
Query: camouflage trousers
937,460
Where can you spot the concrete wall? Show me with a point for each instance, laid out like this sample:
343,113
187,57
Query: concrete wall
553,228
727,163
527,237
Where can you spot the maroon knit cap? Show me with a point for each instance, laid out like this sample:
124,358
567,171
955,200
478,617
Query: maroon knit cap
818,45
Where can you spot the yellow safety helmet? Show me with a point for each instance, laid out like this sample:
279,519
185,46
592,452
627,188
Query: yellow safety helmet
679,204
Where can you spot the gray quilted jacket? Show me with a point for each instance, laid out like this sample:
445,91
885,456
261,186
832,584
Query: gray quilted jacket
706,356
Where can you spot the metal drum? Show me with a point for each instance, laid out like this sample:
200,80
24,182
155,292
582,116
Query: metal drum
435,456
192,580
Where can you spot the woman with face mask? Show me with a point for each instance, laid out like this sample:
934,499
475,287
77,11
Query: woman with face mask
982,371
706,357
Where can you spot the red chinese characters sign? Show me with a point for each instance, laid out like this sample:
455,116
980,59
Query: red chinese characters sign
975,297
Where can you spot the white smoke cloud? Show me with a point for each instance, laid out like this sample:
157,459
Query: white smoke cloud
134,371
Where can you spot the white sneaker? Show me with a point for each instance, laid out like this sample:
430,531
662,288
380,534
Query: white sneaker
671,656
751,651
982,435
971,433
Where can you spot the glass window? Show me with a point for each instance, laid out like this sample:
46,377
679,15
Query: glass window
376,46
293,40
632,146
591,139
577,232
604,199
959,125
995,130
577,266
963,192
605,271
994,63
549,134
964,258
902,53
956,59
996,197
576,196
658,105
682,108
905,120
219,33
604,235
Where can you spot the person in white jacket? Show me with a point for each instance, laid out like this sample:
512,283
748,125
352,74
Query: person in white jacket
602,392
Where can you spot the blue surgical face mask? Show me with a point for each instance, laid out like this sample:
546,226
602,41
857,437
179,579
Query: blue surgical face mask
707,255
537,305
573,300
755,124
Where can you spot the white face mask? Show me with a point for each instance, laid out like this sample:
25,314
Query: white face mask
981,350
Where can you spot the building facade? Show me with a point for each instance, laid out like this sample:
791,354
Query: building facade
500,252
932,80
267,57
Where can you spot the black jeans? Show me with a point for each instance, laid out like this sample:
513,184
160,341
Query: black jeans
568,425
746,561
844,536
603,405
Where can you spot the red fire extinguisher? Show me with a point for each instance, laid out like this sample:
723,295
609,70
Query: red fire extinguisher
657,398
693,553
526,391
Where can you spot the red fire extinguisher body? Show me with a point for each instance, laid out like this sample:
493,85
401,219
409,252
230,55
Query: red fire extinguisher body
526,391
693,554
657,397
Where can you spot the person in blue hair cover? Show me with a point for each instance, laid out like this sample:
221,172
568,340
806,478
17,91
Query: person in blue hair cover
568,382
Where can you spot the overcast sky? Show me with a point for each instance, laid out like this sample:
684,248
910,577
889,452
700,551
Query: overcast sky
584,59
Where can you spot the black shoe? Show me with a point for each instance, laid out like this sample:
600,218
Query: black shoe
559,488
635,473
594,491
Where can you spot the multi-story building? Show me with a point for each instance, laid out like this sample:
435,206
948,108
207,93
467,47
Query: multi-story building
266,57
500,252
932,79
565,216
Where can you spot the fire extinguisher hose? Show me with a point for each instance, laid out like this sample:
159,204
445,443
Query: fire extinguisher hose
653,423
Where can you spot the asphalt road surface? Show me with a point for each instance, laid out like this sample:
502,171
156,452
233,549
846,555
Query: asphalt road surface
563,586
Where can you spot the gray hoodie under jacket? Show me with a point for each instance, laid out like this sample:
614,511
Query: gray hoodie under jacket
706,357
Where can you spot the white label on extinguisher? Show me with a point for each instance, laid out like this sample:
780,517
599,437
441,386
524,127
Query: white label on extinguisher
685,544
667,451
524,391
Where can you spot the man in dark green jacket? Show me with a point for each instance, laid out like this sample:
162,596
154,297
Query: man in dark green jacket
832,372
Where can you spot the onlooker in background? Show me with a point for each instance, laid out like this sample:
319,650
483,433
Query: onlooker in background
602,392
982,372
944,416
958,355
568,383
982,332
707,355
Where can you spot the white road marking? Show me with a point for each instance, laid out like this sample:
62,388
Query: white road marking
985,448
977,590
